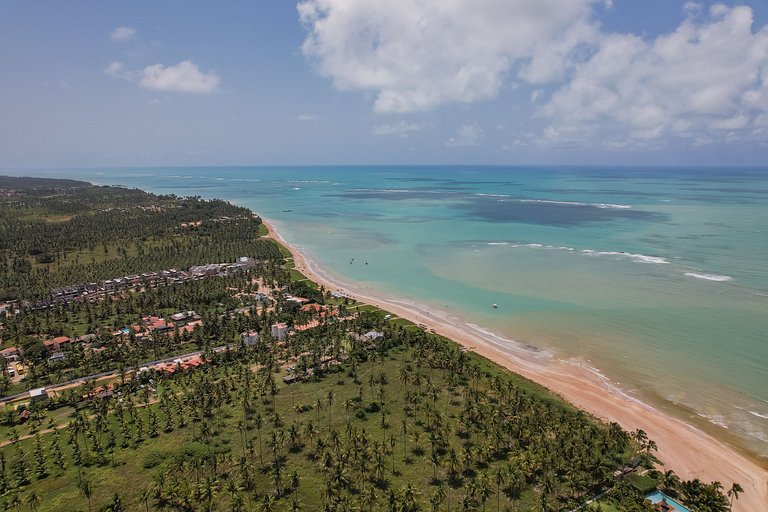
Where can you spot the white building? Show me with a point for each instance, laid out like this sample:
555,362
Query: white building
250,338
280,331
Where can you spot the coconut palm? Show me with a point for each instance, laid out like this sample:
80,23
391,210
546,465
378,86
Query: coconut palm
86,489
733,493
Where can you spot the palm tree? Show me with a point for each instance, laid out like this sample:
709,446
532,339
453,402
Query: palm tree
733,493
267,504
484,488
330,399
369,498
86,490
438,497
500,479
669,482
33,500
15,501
146,493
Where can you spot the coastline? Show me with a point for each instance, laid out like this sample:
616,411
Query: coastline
690,452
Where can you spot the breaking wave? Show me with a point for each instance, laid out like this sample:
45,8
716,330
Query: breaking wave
574,203
639,258
709,277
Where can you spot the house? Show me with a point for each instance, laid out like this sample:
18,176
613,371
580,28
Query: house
190,327
56,344
280,331
37,395
56,357
87,338
250,338
370,336
291,379
184,315
154,323
100,392
10,354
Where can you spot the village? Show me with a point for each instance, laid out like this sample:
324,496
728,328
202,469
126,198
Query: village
179,327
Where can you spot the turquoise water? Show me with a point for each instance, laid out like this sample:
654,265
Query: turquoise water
655,277
657,497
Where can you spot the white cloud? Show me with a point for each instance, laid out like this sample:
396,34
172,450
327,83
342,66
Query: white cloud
707,80
466,135
704,76
418,54
401,129
182,77
732,123
307,117
122,34
117,70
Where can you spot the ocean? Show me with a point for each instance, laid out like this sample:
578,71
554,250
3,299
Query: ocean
655,278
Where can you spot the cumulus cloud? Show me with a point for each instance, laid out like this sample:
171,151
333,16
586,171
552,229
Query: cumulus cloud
117,70
709,74
418,54
401,129
706,81
182,77
466,135
122,34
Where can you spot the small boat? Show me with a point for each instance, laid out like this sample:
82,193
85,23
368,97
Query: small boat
495,306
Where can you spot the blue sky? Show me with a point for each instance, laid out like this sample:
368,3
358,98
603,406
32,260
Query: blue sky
89,84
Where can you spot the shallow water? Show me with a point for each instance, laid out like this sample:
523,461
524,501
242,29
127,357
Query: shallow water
655,277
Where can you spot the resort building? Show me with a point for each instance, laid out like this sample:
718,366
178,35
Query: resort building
280,331
56,344
250,338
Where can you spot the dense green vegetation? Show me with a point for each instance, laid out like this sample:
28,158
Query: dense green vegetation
63,236
409,422
400,421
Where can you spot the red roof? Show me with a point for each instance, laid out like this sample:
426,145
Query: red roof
154,323
308,325
57,341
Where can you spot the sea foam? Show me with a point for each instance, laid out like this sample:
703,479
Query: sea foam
639,258
709,277
574,203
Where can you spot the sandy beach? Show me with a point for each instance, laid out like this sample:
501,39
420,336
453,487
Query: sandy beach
688,451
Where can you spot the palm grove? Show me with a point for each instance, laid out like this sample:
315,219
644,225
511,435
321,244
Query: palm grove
403,421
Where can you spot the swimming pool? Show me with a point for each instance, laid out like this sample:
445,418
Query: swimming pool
656,497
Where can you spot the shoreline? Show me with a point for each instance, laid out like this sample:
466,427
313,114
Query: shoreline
684,448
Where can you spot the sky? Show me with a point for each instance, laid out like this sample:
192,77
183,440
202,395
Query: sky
276,82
